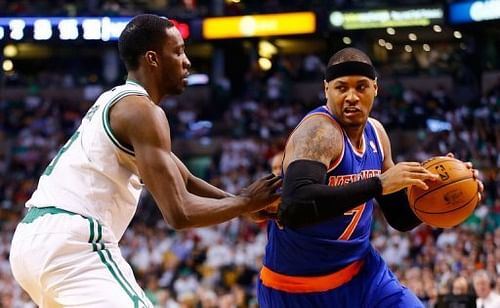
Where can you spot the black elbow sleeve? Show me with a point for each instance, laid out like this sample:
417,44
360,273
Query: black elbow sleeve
307,199
397,211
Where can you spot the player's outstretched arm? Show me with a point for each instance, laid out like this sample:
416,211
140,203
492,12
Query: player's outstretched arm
197,186
143,125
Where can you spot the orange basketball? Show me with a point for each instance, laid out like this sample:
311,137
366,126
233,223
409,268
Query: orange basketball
449,200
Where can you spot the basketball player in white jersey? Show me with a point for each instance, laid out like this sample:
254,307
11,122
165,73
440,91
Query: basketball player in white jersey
65,251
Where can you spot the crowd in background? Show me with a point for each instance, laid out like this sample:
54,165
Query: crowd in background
251,116
218,266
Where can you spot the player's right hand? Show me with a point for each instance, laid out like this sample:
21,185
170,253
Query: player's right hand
262,192
404,175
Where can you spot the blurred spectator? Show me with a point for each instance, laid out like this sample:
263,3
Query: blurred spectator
486,296
460,286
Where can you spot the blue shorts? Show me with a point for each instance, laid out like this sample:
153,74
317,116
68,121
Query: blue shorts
374,286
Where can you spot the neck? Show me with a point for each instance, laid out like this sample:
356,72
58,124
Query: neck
147,83
355,135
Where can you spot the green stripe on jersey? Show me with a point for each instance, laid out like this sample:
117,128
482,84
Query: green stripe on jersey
107,124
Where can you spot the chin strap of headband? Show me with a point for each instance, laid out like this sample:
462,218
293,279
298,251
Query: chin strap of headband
350,68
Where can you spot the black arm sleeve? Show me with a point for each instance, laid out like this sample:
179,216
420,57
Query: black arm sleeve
307,199
397,211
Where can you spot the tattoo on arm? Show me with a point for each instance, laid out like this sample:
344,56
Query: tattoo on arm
317,138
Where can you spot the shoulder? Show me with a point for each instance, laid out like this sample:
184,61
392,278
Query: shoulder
376,124
319,120
318,137
379,129
136,108
317,126
136,117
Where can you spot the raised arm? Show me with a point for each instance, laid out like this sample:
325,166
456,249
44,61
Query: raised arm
140,123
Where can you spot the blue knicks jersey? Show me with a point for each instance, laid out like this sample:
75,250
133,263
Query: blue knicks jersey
327,247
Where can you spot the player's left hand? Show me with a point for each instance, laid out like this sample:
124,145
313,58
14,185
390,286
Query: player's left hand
475,174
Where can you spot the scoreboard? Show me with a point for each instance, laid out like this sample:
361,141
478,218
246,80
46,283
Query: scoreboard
69,28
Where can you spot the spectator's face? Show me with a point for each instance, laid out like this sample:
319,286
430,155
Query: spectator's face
276,163
459,286
174,64
482,286
350,98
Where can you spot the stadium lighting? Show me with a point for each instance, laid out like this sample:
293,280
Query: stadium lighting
7,65
437,28
347,40
408,48
426,47
457,34
265,64
381,42
412,36
267,49
10,51
388,46
391,31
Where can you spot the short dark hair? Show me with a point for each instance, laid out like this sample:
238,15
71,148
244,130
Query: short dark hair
144,32
349,54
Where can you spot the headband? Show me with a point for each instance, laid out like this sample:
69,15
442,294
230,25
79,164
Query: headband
350,68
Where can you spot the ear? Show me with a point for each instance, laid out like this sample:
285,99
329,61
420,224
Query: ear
375,85
325,85
151,58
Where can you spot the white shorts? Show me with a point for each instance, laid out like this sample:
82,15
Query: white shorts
66,260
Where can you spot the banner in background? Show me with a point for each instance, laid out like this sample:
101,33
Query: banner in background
474,11
259,25
383,18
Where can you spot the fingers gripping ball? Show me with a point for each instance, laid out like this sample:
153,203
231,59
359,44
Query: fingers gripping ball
448,201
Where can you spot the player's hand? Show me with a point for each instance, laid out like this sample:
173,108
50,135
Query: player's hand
262,193
269,212
404,175
475,174
262,215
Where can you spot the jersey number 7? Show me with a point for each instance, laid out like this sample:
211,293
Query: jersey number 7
356,216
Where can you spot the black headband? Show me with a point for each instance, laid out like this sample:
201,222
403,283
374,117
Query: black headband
350,68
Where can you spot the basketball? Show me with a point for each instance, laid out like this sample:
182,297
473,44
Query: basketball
449,200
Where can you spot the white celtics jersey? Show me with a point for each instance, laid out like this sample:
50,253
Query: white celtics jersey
93,174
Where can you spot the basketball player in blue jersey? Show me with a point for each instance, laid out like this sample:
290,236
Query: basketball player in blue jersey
336,162
65,251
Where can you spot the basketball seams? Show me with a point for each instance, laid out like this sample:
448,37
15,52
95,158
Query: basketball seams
445,184
439,160
452,210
